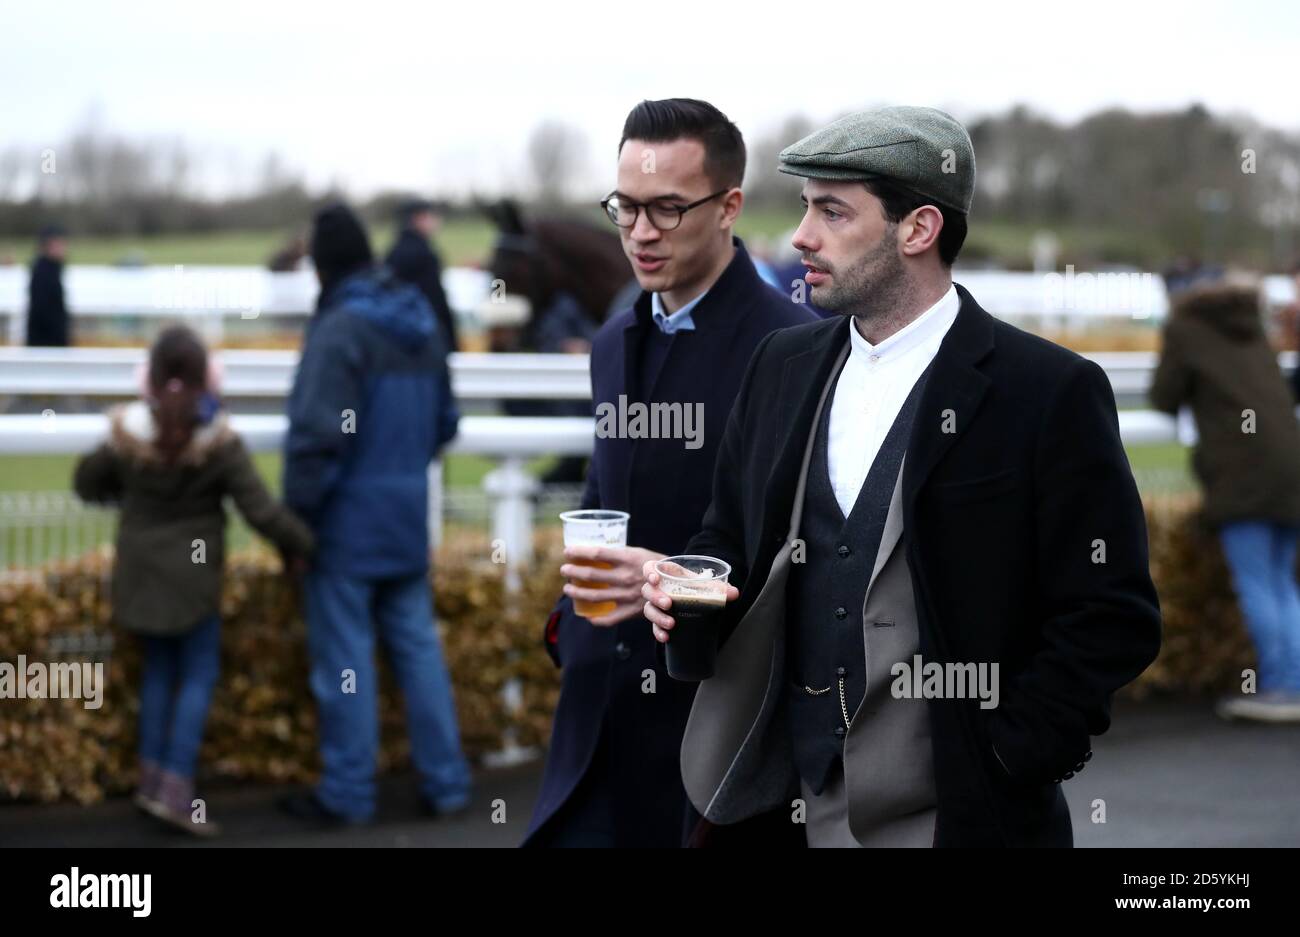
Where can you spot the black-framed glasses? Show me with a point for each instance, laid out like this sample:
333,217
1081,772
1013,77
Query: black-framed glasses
664,215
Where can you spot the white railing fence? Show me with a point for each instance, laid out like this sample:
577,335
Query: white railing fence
211,294
29,374
113,372
43,528
507,503
207,296
38,527
510,491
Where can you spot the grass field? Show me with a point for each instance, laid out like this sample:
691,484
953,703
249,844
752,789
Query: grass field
464,241
54,472
461,242
1162,467
467,241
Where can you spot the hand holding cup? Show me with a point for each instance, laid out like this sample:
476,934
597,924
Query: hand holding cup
694,589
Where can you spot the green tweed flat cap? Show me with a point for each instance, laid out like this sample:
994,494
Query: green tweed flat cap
919,148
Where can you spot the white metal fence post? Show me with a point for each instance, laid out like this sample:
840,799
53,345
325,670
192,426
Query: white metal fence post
510,490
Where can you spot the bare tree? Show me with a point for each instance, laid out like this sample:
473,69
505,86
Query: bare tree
764,185
13,170
556,154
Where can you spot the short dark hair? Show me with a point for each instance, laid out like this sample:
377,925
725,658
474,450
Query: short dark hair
687,118
898,202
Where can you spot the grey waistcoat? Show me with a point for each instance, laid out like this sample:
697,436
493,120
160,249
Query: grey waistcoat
825,660
737,755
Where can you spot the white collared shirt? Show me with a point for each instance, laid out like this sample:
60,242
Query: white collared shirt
875,381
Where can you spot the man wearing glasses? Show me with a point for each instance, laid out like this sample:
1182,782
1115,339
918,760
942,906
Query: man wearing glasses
612,775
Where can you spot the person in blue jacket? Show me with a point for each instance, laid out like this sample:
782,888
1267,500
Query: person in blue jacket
371,406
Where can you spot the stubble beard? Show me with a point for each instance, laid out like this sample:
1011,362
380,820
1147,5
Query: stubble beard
871,290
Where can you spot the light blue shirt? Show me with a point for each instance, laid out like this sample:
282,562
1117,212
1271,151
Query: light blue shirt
679,321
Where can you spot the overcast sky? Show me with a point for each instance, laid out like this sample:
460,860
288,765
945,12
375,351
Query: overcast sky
441,96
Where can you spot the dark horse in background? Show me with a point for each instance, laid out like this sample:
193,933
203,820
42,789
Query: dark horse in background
569,271
573,276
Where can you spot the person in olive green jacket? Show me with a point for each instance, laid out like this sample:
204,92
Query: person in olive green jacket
169,462
1218,361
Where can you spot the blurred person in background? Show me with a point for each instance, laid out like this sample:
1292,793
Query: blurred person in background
47,313
290,255
1217,360
414,260
370,408
170,460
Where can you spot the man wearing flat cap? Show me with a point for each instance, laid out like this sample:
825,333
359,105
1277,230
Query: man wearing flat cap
939,549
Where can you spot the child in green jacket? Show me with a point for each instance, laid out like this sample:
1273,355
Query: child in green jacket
170,460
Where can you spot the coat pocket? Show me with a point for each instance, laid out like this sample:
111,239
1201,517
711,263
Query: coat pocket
976,489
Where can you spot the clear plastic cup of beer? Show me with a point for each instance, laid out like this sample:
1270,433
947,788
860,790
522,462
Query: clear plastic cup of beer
594,528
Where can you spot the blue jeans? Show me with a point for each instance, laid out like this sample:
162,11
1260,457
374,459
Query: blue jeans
176,686
341,637
1262,557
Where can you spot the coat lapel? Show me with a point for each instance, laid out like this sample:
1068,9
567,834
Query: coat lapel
804,377
893,531
823,400
953,393
634,334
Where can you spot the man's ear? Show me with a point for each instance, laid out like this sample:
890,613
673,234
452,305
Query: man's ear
732,203
921,230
